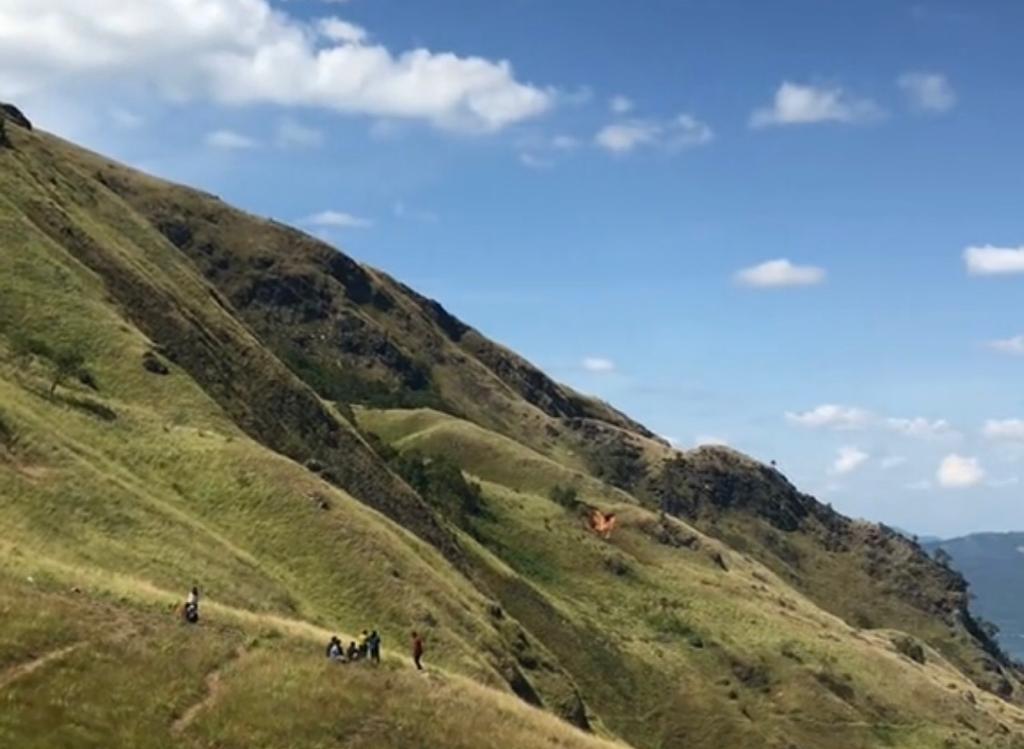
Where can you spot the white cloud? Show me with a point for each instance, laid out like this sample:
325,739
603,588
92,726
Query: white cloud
796,104
848,459
620,104
598,364
921,428
338,30
831,416
337,220
892,461
928,92
779,273
1014,345
710,440
534,161
292,134
249,52
1009,430
230,140
624,137
959,472
542,151
992,261
685,131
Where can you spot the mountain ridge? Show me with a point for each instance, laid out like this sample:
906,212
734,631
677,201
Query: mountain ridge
278,443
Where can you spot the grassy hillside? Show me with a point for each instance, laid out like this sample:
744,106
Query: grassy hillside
191,394
355,335
690,627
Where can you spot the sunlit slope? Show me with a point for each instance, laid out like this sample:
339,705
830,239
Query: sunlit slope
187,442
355,335
114,670
708,647
132,469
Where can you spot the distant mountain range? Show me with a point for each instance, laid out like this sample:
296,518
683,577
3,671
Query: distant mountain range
993,564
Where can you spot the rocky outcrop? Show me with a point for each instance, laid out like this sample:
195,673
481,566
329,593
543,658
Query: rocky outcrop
10,113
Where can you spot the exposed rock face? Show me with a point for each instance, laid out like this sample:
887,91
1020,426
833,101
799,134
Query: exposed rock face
12,113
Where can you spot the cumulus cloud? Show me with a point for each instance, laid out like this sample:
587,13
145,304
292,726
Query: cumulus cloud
620,104
336,220
710,440
779,273
534,161
959,472
848,460
248,52
598,364
831,416
1014,345
928,92
230,140
338,30
1007,430
988,260
796,104
921,428
685,131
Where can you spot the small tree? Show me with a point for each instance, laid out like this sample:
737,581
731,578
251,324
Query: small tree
66,363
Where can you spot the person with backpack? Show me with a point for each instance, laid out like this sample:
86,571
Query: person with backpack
191,611
374,643
417,650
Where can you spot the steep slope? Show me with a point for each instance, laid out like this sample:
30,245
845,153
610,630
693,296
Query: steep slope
357,336
144,460
166,418
993,564
689,627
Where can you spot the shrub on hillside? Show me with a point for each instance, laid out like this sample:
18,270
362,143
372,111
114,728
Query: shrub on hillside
7,433
441,482
566,496
909,647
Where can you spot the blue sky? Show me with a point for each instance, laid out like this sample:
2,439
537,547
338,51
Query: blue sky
741,221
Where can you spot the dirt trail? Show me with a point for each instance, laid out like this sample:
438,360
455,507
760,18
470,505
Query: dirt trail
212,687
12,675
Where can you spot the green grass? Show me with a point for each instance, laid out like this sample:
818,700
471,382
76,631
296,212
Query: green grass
675,623
116,497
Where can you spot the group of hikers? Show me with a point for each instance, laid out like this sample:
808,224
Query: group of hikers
366,646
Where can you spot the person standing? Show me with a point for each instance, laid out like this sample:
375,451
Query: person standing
374,646
417,650
192,606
